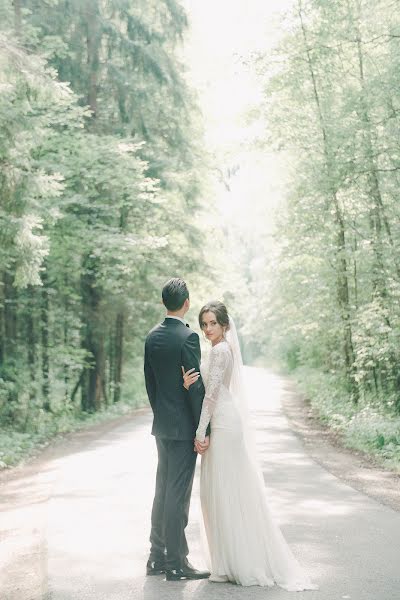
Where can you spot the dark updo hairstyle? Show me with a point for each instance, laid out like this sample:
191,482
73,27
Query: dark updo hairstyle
220,311
174,294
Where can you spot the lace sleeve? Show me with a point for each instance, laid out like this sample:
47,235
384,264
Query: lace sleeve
219,361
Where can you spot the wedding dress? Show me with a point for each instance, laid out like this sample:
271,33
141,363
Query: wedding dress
245,544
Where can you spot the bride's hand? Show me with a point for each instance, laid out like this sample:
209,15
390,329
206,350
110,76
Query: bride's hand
201,447
190,377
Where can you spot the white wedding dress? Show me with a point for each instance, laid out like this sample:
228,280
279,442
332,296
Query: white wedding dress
245,545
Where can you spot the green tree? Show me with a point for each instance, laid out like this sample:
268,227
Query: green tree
331,93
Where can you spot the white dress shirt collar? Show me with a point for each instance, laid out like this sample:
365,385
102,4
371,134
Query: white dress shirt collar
177,318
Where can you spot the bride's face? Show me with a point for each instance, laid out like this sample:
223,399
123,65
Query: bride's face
212,329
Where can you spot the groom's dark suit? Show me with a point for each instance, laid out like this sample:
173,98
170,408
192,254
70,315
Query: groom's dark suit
169,346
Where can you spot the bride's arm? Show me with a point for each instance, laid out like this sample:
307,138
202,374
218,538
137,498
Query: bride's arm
191,359
219,361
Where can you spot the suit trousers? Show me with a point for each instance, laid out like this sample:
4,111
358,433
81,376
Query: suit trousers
170,513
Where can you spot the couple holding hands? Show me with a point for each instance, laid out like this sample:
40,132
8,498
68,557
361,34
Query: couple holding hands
201,409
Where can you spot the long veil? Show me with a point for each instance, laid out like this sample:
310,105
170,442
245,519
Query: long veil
238,390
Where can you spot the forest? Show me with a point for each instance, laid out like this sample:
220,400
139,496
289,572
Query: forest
332,107
99,162
104,168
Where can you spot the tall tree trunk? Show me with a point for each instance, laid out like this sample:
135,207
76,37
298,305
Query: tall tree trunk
28,320
44,321
355,276
66,366
377,213
375,219
31,341
93,379
10,316
118,355
93,41
2,325
111,365
10,341
119,326
342,284
92,338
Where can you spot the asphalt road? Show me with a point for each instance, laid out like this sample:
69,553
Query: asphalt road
74,524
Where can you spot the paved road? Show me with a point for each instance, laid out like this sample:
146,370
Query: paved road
76,527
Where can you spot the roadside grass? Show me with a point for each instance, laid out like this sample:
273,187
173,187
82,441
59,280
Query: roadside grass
372,426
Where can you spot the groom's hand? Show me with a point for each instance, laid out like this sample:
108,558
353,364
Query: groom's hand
201,447
189,377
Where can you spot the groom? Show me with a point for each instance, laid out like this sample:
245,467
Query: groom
169,346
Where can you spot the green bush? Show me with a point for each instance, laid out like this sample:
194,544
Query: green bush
372,426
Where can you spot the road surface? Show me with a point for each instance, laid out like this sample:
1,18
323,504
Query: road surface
74,523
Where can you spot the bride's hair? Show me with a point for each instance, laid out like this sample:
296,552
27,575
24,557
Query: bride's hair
220,311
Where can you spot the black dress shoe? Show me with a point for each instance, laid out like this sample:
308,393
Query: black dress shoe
154,567
192,573
174,575
186,572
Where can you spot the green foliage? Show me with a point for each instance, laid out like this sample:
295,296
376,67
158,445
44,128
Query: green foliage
97,168
331,106
371,427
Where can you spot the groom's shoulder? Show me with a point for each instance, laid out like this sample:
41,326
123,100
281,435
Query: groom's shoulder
191,332
154,330
191,336
183,335
182,332
187,333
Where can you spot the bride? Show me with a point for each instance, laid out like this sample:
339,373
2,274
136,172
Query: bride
245,545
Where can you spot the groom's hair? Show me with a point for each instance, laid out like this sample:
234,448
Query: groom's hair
174,294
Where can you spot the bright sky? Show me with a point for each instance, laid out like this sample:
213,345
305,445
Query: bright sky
221,32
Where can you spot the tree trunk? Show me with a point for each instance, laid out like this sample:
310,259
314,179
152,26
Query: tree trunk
118,355
9,340
93,41
10,316
92,338
111,365
342,284
355,276
31,341
44,313
93,380
2,326
119,326
377,212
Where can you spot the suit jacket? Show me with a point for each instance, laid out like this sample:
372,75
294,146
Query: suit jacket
176,410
